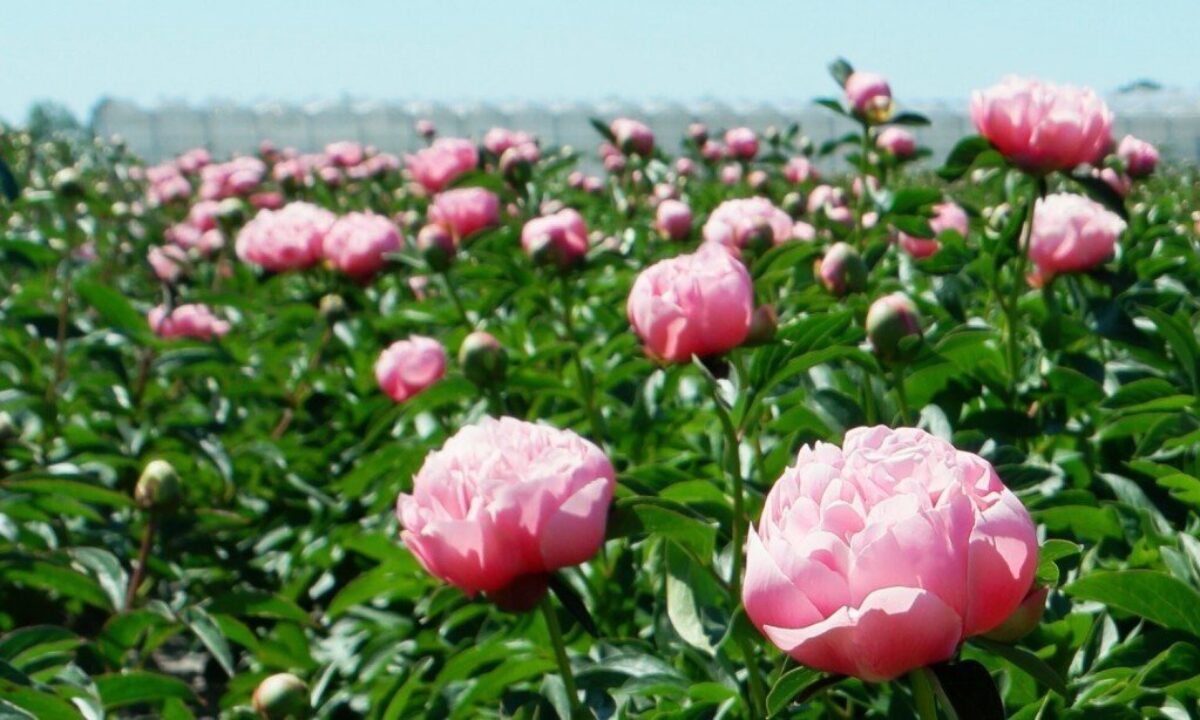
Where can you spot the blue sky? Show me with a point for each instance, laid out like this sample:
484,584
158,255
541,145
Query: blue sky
76,51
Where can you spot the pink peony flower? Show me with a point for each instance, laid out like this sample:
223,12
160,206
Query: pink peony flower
408,367
357,242
712,150
947,216
869,95
685,167
238,176
187,321
267,200
425,128
673,219
897,141
734,220
1120,183
167,262
633,137
883,555
1043,127
189,237
1139,156
1071,233
190,162
824,197
465,211
742,143
560,238
731,174
442,163
697,304
799,170
345,153
203,215
287,239
505,503
497,140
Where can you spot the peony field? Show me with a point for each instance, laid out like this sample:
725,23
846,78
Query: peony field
731,425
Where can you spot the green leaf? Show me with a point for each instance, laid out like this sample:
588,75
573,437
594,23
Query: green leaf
841,70
8,183
249,603
685,584
135,687
1155,596
71,488
911,119
963,156
788,686
604,130
1029,663
40,705
113,307
205,628
656,516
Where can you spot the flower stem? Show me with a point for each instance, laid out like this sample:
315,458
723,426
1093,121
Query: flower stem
923,696
901,395
1012,309
452,291
143,555
587,388
560,654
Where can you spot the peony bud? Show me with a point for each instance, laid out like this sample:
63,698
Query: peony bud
760,236
1024,619
763,325
231,211
483,359
515,165
793,204
891,320
698,133
842,270
8,428
158,487
67,183
332,306
282,696
436,246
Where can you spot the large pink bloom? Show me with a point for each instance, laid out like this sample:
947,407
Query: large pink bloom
287,239
697,304
186,321
947,216
505,499
1043,127
1071,233
734,220
442,163
465,211
357,242
883,555
409,366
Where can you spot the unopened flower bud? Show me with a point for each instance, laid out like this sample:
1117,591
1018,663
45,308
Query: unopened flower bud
515,166
282,696
894,327
436,246
842,270
67,183
522,594
760,236
763,325
158,486
1024,619
483,359
8,428
793,204
332,306
231,211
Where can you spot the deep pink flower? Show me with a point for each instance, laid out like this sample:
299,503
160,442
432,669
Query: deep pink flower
741,143
357,243
632,136
897,141
1139,156
287,239
560,237
442,163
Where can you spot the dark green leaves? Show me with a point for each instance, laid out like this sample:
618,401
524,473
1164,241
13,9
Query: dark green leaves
963,156
840,70
1155,596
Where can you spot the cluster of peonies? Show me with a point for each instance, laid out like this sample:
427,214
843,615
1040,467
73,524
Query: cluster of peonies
237,177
